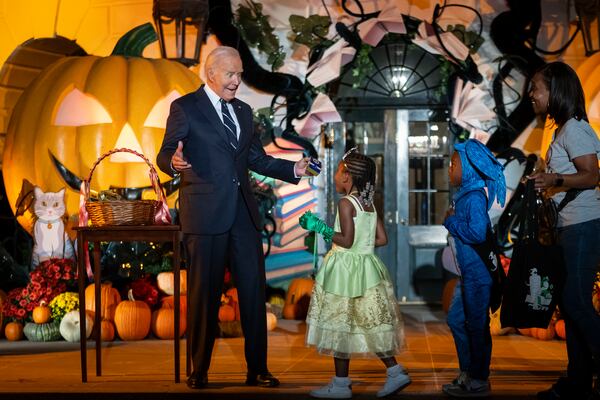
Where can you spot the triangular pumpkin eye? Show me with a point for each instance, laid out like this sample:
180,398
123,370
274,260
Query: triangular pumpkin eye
79,109
157,118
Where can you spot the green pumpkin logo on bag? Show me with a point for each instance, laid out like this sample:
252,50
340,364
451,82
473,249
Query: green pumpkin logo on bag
540,291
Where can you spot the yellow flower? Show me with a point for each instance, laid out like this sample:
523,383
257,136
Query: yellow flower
63,303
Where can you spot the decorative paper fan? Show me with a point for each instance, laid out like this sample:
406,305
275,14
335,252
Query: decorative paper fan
321,112
329,66
469,109
427,39
374,29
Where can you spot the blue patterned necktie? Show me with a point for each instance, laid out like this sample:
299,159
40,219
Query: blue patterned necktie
229,124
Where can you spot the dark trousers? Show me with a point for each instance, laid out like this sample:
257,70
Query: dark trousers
469,322
241,249
582,324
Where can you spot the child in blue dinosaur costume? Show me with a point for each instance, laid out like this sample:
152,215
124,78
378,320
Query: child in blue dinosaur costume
473,168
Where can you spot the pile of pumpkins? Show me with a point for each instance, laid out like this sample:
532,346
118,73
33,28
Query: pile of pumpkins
229,315
130,319
294,306
133,319
554,329
43,329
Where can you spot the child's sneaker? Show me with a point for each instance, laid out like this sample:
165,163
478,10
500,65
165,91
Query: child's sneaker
396,380
461,379
337,388
471,388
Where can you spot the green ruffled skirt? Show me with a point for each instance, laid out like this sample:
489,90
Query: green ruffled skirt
353,310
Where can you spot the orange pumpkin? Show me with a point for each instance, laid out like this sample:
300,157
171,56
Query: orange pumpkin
41,313
14,331
559,327
226,313
107,331
233,293
132,318
85,106
170,301
163,322
109,298
448,293
166,282
525,331
297,298
544,333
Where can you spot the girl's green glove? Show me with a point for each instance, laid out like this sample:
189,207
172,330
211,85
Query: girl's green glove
311,222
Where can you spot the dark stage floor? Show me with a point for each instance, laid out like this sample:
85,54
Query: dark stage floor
521,366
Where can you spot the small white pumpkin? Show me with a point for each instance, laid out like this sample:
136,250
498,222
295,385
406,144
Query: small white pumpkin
69,326
271,321
166,282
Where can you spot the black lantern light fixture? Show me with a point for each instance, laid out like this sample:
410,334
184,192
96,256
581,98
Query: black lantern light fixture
588,13
182,17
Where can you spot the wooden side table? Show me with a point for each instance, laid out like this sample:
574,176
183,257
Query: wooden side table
149,233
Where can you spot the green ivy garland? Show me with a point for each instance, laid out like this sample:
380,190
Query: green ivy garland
256,30
309,31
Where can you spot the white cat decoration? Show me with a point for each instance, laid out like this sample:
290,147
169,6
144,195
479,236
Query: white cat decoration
49,236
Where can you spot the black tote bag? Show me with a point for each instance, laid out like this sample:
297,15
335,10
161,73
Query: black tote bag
488,252
534,282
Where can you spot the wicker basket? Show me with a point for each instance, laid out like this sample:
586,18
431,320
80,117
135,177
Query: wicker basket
122,212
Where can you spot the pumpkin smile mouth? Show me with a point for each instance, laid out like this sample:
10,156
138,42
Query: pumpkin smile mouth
128,193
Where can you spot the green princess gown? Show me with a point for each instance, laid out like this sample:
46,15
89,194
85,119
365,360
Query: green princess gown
353,310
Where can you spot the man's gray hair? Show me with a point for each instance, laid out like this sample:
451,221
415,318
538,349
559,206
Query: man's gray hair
217,54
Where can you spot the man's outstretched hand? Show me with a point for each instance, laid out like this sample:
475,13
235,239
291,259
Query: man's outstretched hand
178,162
300,167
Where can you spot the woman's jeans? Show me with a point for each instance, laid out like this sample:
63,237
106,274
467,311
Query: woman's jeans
581,247
469,321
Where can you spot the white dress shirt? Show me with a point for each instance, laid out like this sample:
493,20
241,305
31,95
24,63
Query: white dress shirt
215,101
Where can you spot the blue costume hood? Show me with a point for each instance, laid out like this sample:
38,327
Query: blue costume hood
480,169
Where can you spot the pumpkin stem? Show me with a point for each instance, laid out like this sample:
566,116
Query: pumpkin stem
130,295
133,43
42,303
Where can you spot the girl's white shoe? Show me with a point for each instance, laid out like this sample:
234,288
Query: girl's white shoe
396,380
337,388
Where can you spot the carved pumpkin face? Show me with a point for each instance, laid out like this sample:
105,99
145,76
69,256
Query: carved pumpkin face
80,107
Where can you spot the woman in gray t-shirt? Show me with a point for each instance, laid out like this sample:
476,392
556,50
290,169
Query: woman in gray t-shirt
573,164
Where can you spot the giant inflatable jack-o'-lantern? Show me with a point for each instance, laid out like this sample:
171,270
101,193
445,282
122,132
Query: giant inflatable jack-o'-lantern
80,107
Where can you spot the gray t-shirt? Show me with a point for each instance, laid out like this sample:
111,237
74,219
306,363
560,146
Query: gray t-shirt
575,139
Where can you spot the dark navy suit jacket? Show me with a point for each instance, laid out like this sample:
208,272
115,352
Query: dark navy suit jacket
208,194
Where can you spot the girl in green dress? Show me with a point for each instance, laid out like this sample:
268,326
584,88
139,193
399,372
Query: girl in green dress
353,310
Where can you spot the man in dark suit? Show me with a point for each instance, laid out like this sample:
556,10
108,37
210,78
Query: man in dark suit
210,140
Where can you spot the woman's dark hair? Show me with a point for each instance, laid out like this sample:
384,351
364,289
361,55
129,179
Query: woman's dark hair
361,168
566,98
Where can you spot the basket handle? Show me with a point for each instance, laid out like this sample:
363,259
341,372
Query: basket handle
162,215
